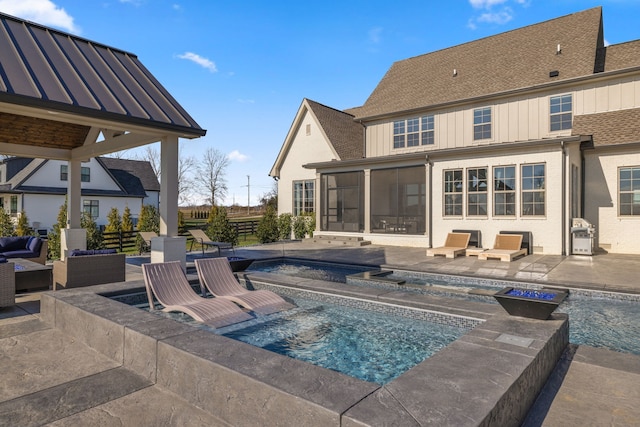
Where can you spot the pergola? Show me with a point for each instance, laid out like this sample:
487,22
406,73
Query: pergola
67,98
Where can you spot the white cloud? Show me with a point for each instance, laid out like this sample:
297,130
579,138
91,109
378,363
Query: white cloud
487,4
500,18
246,101
43,12
203,62
237,156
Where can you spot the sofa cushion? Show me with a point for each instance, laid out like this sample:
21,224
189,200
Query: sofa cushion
34,244
20,253
2,259
13,243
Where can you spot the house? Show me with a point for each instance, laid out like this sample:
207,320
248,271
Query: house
521,131
39,187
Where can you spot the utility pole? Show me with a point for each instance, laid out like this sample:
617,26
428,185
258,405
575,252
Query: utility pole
248,195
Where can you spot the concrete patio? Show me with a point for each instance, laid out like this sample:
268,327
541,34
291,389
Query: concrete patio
54,378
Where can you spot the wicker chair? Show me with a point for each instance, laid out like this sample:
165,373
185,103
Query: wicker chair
7,284
87,270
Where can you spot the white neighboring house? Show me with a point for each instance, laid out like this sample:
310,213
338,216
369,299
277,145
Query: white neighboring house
38,187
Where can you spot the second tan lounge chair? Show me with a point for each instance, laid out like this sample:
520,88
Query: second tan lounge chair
455,245
201,237
169,284
215,275
506,248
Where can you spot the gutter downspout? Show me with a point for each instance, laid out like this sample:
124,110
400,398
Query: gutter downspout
428,197
564,199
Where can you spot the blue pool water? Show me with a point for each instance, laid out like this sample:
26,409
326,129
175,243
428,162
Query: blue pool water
308,270
595,321
364,344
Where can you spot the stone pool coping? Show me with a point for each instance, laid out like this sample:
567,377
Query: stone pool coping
491,375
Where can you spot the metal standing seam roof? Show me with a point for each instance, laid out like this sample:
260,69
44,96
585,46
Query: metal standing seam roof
47,68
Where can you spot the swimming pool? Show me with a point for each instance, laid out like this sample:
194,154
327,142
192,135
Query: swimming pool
597,319
376,344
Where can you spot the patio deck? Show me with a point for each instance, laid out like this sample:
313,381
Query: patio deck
80,386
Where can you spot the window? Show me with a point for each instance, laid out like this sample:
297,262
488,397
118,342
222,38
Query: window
477,192
91,207
533,190
504,191
303,196
629,191
13,205
482,123
453,192
398,200
560,112
85,173
413,132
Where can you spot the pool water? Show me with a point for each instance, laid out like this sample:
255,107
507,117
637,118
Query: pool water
308,270
364,344
595,321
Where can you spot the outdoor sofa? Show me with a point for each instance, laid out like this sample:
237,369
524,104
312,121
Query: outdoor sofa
27,247
86,268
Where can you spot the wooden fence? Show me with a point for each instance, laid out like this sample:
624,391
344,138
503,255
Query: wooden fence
125,240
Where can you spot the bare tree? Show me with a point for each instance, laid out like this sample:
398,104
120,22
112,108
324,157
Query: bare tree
152,155
186,165
211,170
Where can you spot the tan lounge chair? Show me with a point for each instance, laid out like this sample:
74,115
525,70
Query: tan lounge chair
506,248
146,236
201,237
169,284
215,275
455,245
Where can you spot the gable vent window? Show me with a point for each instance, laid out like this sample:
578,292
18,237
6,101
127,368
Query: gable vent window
308,130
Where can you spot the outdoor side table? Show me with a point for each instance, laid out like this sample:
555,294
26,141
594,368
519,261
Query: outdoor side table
31,275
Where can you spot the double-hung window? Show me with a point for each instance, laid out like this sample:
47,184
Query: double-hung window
13,205
91,207
533,189
85,173
477,192
413,132
453,192
482,123
303,196
560,115
629,191
504,190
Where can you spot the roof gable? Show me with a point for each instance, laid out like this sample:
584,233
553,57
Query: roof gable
345,134
141,169
509,61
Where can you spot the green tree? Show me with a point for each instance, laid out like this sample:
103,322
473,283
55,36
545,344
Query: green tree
94,235
22,227
127,222
6,224
219,228
54,235
284,226
181,224
114,223
267,230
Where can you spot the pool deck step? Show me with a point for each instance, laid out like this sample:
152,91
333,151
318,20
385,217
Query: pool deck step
339,240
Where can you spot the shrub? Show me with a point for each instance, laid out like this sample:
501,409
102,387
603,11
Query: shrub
219,228
127,222
299,227
22,227
267,230
54,235
6,224
284,226
94,235
149,220
114,223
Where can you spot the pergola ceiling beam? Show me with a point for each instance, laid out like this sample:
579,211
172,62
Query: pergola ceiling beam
116,143
31,151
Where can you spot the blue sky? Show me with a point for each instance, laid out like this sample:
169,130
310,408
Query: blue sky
242,68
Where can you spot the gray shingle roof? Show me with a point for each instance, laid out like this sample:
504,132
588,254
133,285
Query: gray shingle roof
345,134
513,60
615,127
623,55
43,67
138,168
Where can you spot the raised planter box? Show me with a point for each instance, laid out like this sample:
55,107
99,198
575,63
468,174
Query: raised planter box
530,303
239,263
